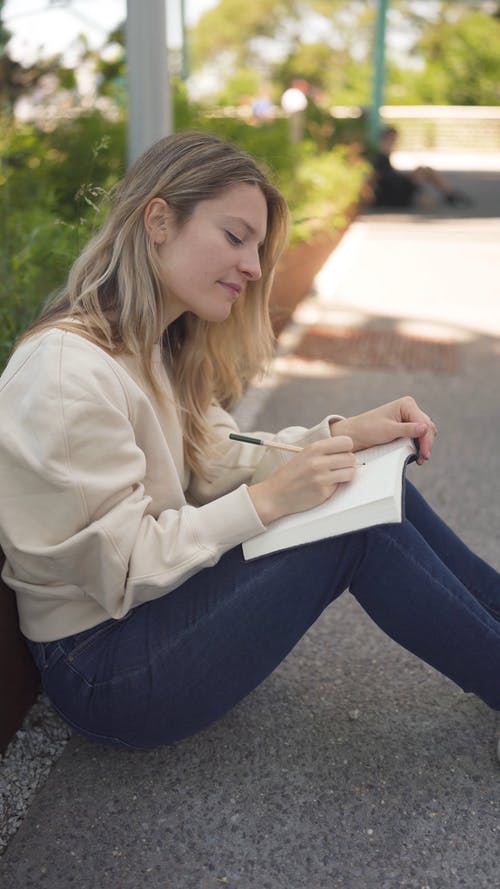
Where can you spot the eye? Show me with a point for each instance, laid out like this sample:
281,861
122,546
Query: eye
233,239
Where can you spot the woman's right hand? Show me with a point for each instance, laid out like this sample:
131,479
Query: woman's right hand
306,480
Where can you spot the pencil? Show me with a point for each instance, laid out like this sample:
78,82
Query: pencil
267,444
273,444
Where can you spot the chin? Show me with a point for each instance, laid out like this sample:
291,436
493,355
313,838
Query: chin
218,316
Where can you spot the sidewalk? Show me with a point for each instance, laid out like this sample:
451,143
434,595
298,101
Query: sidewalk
354,766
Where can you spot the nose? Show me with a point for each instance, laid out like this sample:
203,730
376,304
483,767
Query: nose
250,264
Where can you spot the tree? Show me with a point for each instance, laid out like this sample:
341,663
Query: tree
230,27
327,70
462,60
325,42
451,55
16,79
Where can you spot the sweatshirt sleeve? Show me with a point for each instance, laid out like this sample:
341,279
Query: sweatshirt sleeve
74,514
230,463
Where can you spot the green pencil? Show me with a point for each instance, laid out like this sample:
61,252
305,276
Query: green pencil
273,444
263,443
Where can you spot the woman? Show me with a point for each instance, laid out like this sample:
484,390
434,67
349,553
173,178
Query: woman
123,501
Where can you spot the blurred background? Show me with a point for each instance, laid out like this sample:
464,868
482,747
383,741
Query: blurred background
304,86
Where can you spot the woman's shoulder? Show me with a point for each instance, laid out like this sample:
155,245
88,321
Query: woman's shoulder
57,355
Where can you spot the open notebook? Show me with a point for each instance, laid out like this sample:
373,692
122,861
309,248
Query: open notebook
374,497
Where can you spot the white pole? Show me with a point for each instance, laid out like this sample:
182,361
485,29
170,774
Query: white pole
149,99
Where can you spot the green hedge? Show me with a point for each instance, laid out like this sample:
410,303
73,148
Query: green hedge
53,188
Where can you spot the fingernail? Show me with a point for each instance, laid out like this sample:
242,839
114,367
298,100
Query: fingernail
421,428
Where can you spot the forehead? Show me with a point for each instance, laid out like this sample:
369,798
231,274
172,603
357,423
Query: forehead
243,203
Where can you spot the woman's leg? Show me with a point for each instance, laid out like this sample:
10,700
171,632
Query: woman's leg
420,603
177,663
480,578
181,661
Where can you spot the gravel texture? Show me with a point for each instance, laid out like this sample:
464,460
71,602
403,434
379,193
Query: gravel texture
26,764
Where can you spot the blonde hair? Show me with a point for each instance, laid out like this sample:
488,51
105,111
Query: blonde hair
114,293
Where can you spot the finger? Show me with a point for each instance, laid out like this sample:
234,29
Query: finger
323,465
427,441
328,485
422,432
336,445
346,474
347,460
338,474
414,429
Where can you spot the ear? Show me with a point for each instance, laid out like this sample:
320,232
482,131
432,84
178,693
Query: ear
155,219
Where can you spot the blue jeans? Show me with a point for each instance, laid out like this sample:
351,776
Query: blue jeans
175,664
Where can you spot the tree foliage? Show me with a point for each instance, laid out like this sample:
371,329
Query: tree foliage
455,50
16,79
327,70
231,26
462,60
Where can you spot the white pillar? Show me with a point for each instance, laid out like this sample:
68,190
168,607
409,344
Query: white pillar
149,99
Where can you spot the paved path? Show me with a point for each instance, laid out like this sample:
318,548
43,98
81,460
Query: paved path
354,765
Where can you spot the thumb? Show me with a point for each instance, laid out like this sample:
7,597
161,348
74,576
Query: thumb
413,430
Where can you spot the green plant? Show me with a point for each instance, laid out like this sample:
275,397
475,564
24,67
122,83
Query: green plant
49,207
323,189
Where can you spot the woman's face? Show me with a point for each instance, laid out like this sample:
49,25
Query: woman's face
207,263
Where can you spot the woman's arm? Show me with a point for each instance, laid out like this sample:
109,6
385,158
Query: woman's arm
313,475
231,463
307,480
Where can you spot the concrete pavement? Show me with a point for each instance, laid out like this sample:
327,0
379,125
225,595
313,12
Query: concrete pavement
355,765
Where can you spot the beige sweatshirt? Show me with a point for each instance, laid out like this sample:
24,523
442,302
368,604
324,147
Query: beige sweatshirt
98,512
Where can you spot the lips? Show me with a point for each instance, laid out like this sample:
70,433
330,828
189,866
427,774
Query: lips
234,289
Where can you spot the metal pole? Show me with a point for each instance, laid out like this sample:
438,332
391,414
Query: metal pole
149,99
185,47
378,71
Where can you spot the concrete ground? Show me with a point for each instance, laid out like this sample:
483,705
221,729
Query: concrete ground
354,765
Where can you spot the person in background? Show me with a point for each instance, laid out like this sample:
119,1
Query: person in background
124,502
398,188
263,108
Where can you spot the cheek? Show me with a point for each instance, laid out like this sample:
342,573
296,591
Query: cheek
193,262
191,279
205,263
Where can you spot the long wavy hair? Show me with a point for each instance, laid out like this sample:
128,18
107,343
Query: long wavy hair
113,295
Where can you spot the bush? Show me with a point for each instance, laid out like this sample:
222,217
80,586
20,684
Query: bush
52,187
323,189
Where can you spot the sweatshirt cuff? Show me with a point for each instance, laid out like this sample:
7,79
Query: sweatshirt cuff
227,521
321,430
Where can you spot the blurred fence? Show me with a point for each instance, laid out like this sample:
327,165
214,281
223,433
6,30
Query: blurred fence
445,127
438,127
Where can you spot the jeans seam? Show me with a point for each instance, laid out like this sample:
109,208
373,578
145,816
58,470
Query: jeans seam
87,643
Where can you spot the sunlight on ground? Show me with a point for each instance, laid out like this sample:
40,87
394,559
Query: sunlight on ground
431,332
312,312
293,366
442,273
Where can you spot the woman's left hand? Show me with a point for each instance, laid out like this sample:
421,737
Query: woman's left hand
397,419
